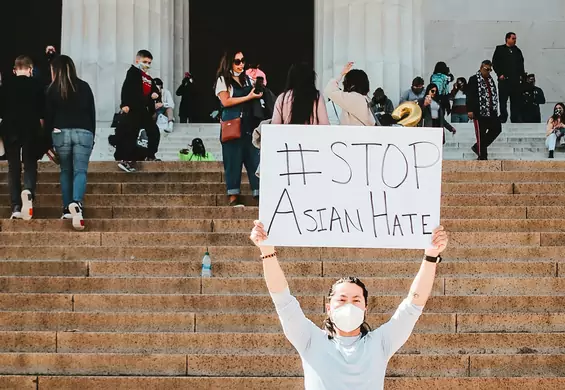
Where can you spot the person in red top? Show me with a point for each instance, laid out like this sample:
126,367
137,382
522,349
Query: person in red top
482,107
139,94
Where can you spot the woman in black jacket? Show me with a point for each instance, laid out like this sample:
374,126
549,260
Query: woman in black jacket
70,114
185,91
433,114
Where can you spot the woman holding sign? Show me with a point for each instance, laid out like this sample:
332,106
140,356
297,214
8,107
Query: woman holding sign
346,354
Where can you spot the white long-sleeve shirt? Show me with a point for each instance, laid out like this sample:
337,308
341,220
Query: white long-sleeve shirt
344,363
354,106
168,101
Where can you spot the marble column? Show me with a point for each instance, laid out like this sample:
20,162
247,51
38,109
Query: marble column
103,36
383,37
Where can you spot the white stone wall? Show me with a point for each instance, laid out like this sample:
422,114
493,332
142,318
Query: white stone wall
382,37
464,32
103,36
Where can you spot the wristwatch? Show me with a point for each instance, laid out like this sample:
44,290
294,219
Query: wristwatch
433,259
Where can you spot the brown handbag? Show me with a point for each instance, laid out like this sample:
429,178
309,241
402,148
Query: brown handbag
231,129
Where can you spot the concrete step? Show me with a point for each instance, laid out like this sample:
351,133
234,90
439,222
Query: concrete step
241,268
257,383
270,365
220,253
252,344
267,323
240,304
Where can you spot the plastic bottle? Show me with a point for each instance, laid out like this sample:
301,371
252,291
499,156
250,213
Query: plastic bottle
206,266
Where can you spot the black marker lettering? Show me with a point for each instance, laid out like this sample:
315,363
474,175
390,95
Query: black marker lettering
367,158
338,218
416,166
411,223
306,213
291,211
383,167
397,224
424,224
348,220
345,161
322,229
379,215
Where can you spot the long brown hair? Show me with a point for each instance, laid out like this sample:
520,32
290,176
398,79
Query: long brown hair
328,324
65,79
225,69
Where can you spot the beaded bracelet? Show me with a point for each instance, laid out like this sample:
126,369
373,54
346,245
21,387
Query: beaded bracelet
274,254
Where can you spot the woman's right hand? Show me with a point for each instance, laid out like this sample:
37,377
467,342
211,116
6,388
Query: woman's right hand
427,100
258,236
252,95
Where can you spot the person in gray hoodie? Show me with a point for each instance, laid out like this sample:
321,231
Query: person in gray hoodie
415,93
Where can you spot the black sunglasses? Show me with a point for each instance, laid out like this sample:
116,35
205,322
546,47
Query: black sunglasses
433,91
238,61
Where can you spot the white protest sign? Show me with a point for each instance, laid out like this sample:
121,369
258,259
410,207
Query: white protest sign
350,186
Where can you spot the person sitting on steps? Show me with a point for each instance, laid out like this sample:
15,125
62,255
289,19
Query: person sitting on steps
165,105
555,128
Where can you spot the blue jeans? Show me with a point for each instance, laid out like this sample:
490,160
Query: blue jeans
459,118
235,154
74,147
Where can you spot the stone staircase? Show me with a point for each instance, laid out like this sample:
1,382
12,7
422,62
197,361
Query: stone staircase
122,305
517,142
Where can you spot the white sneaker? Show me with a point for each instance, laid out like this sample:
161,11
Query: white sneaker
16,213
76,212
27,205
170,126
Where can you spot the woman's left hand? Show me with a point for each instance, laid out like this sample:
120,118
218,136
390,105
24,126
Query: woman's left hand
347,68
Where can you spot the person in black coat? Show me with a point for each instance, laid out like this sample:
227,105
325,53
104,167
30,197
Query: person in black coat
139,94
508,63
186,92
532,97
482,104
22,103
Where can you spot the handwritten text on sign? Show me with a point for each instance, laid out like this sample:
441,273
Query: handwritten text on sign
350,186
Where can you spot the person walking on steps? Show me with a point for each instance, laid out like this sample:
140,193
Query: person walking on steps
482,103
22,101
70,114
346,354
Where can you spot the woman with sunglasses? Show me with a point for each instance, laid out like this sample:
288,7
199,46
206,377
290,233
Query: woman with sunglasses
433,114
235,91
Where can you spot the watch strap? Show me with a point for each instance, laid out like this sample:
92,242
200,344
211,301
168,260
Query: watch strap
433,259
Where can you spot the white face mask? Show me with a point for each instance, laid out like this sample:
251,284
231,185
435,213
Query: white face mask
144,67
236,74
348,317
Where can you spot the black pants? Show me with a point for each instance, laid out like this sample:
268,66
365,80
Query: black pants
486,131
126,139
510,89
28,153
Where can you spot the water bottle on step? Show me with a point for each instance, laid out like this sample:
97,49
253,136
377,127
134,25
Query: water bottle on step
206,266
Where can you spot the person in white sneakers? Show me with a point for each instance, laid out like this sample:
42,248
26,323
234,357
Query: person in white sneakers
165,106
70,114
21,110
346,354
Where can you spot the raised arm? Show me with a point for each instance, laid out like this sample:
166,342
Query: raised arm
297,328
394,333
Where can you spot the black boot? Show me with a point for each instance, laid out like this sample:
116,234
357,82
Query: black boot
551,154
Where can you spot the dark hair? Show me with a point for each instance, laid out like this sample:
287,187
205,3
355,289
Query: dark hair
301,81
486,62
158,82
418,81
442,68
356,80
378,96
145,54
328,324
509,35
429,88
555,116
198,148
463,81
65,81
225,69
23,62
